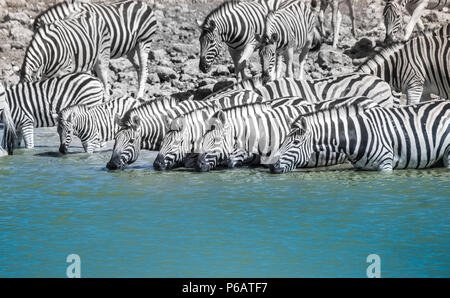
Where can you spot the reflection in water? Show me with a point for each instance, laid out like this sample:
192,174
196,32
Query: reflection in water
225,223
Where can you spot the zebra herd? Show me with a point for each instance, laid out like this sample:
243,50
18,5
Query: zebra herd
274,121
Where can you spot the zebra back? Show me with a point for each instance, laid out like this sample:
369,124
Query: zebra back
66,46
129,22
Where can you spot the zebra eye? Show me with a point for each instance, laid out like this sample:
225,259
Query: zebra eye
131,141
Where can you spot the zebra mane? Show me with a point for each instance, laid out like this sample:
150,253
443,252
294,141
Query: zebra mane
382,55
69,4
224,6
265,106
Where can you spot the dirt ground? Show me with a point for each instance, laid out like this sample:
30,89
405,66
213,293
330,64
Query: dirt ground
173,63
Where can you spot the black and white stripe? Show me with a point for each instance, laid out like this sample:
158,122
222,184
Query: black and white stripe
417,68
289,28
77,44
131,24
234,23
33,104
92,125
416,136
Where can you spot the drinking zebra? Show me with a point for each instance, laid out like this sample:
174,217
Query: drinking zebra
181,143
416,68
259,129
336,17
33,104
416,136
289,28
234,23
94,126
393,12
77,44
131,24
140,128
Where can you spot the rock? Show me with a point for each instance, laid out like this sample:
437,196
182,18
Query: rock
190,67
5,47
202,92
179,85
221,70
206,81
328,57
16,3
362,48
185,48
21,35
158,55
153,78
20,17
165,74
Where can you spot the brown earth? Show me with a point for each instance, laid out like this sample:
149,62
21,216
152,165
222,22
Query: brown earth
173,66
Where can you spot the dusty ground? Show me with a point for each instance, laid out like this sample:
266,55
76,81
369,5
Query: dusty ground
174,61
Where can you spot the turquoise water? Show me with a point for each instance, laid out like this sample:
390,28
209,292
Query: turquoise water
240,223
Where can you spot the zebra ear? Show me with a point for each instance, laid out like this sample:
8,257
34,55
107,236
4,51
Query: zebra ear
212,24
299,125
55,116
199,23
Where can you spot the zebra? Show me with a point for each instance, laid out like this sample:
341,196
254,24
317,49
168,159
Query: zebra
234,23
92,125
131,24
336,17
313,91
393,12
77,44
9,129
416,68
33,104
287,29
140,128
408,137
180,145
259,129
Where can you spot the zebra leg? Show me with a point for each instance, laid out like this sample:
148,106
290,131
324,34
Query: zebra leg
18,138
352,16
323,7
336,20
446,158
143,52
302,58
289,62
101,69
279,65
27,131
415,17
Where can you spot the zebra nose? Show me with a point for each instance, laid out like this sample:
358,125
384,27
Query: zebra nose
63,149
276,168
203,66
159,163
202,165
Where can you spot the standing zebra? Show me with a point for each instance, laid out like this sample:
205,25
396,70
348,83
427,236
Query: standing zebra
92,125
77,44
259,129
289,28
409,137
33,104
234,23
393,12
140,128
416,68
336,17
131,25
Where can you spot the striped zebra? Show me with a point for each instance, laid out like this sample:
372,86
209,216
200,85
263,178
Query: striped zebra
181,143
313,91
9,129
33,104
336,17
131,24
288,29
234,23
94,126
409,137
259,129
393,15
140,128
77,44
417,68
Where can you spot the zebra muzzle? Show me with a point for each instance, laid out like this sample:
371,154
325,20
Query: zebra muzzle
63,149
276,168
202,165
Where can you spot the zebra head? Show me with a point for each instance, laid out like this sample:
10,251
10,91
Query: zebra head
295,150
175,146
216,143
65,128
128,139
392,19
267,53
209,45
